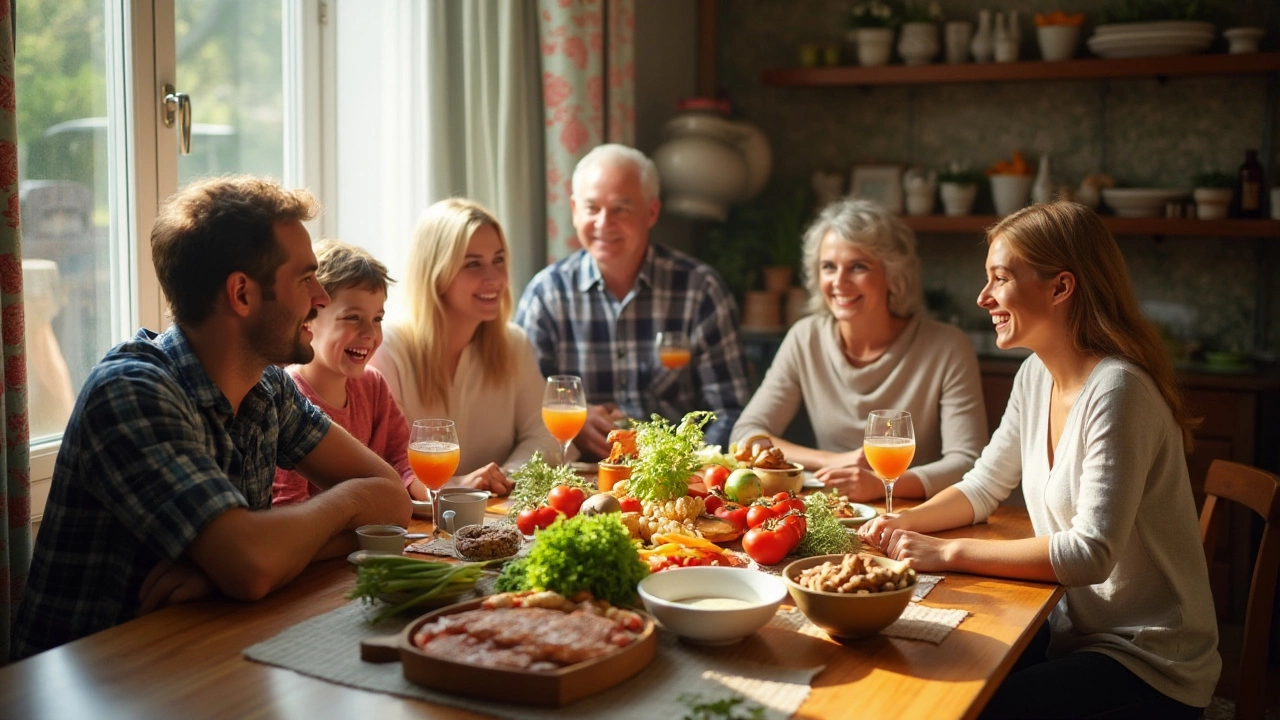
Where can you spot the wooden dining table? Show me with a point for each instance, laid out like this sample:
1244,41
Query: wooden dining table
186,661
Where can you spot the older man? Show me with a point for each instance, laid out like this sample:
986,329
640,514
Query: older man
597,313
162,488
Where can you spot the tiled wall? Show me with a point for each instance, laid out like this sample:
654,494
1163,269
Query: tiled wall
1143,132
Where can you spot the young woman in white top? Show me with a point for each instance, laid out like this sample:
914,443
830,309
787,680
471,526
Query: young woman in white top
453,352
1096,433
868,346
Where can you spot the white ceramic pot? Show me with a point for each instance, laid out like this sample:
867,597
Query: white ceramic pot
1010,192
875,45
956,37
957,198
1243,39
919,189
710,162
1058,42
1212,203
918,43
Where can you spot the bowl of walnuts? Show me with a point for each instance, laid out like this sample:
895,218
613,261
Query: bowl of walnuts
850,596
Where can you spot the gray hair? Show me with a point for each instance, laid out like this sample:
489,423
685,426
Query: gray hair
614,154
879,232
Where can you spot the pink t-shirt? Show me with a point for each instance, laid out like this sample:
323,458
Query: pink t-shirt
371,416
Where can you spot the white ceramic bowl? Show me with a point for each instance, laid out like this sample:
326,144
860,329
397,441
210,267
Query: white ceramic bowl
1140,202
666,596
1243,39
1058,42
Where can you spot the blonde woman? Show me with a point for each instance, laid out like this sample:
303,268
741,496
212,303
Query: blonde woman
453,351
1096,433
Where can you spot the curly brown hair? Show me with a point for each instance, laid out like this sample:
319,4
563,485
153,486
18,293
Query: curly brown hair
216,226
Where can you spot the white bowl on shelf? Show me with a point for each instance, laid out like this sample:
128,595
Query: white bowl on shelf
1140,202
1157,26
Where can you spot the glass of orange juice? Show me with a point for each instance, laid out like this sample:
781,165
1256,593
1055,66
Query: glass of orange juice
564,409
889,444
434,455
673,350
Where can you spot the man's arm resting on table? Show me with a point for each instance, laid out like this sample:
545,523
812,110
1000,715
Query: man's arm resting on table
247,553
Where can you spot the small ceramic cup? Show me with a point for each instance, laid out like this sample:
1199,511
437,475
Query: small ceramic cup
460,507
381,539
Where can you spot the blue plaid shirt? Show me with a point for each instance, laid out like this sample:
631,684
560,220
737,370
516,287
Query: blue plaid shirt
579,328
152,454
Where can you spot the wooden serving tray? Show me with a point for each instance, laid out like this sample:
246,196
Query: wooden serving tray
553,689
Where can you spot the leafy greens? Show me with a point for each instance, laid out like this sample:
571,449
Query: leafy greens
667,456
535,479
592,553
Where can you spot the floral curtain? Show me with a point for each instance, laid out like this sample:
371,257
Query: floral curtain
15,492
588,93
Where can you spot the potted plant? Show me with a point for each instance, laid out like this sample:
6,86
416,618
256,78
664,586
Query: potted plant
1213,191
918,42
959,188
872,25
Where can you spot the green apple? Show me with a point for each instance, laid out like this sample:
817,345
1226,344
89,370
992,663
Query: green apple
743,486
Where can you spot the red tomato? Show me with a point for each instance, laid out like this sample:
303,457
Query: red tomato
566,499
545,515
798,521
758,514
782,497
527,521
712,503
769,543
714,476
734,514
697,489
630,504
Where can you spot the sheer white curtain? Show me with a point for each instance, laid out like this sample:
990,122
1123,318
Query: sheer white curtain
435,99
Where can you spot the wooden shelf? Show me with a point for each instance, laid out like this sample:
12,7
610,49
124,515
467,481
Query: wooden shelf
1161,66
976,224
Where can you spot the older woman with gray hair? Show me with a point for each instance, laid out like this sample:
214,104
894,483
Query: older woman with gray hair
869,346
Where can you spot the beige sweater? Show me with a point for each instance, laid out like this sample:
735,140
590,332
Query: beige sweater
1118,511
930,370
497,422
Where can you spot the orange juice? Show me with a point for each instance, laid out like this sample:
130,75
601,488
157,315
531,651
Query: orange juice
564,421
433,462
889,456
673,358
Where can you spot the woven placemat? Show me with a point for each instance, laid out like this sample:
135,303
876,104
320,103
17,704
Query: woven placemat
917,622
328,647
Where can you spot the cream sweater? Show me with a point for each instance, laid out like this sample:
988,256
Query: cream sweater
498,420
930,370
1121,521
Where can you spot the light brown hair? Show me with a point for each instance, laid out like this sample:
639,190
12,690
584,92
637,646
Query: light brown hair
1104,318
342,265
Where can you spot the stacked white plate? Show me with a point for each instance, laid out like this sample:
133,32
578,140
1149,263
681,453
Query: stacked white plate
1140,202
1166,37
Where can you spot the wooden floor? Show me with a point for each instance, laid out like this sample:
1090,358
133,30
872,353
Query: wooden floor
1231,637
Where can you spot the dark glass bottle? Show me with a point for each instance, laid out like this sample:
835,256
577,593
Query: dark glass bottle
1249,187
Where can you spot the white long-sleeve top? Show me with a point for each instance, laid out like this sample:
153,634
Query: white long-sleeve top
1117,507
498,420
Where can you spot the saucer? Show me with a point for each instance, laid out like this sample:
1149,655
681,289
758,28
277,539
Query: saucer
356,557
865,513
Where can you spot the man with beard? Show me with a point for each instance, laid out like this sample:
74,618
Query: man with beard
162,488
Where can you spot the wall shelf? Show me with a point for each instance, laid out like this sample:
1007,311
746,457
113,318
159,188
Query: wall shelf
1161,66
976,224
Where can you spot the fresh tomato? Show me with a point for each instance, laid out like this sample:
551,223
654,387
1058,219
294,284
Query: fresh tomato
799,521
712,503
788,503
630,504
770,543
714,476
527,521
734,514
696,487
545,515
566,499
758,514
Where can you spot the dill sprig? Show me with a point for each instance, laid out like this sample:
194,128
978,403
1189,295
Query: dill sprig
666,456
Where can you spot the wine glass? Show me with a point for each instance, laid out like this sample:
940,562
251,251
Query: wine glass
889,444
564,409
434,455
673,350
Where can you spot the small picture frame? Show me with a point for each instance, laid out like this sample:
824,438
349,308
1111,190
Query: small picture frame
880,183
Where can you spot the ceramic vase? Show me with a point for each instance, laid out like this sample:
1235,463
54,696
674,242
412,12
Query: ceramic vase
1010,192
1212,203
1042,188
875,45
918,43
957,198
956,36
709,162
983,44
1006,43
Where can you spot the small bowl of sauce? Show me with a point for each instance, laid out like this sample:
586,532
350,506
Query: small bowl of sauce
712,605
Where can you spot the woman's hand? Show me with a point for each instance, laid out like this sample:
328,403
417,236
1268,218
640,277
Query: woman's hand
925,552
878,530
857,484
490,477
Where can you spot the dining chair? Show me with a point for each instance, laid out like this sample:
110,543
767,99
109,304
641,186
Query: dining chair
1258,490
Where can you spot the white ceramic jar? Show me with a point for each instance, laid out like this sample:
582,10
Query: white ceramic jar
709,161
918,43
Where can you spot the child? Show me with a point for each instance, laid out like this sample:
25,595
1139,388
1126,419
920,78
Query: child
345,334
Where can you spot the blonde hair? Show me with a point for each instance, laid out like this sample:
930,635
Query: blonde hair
1104,318
439,250
341,265
879,232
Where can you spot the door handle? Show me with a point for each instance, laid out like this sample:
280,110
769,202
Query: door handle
177,106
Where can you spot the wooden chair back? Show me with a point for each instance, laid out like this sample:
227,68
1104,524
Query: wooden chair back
1259,491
